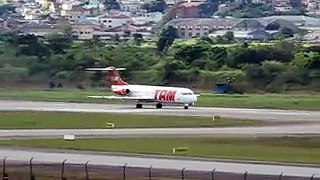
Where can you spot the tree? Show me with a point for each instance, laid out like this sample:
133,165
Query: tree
229,36
158,6
287,32
138,38
58,43
167,37
208,8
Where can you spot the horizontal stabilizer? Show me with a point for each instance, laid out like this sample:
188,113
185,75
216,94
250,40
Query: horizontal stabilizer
105,69
122,97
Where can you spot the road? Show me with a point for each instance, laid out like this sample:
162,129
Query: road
261,114
57,156
264,131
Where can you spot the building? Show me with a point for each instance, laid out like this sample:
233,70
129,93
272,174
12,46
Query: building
144,18
77,12
198,27
67,6
131,6
312,6
188,10
114,20
41,29
281,5
85,31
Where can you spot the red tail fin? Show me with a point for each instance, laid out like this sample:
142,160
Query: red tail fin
112,74
114,78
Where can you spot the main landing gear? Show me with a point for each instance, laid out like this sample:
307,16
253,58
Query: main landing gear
139,106
159,106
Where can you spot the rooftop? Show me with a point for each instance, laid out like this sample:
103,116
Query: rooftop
203,21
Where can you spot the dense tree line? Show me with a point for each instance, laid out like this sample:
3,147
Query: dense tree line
273,68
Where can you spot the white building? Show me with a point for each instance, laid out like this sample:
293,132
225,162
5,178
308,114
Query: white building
111,21
129,6
148,17
66,6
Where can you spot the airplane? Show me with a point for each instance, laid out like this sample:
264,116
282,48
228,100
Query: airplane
145,93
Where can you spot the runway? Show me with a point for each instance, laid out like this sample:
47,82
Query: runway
197,165
264,131
261,114
55,156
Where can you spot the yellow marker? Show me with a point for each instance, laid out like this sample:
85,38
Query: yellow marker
179,149
110,125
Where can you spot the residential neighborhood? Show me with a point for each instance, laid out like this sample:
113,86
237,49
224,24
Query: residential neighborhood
106,19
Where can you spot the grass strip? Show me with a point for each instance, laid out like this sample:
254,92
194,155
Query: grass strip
43,120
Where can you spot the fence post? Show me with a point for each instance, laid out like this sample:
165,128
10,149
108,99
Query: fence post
245,175
4,174
312,177
124,171
31,170
182,173
86,169
212,174
62,170
150,172
280,177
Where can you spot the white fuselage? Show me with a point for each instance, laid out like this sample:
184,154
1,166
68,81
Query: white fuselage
160,94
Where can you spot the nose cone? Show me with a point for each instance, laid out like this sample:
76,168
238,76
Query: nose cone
195,98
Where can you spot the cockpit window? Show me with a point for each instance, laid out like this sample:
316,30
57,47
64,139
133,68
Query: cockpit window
186,93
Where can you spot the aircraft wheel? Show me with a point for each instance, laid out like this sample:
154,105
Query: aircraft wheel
186,107
159,105
139,106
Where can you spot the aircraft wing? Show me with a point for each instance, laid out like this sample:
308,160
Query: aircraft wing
122,97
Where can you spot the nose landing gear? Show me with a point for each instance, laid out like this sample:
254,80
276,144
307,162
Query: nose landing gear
159,106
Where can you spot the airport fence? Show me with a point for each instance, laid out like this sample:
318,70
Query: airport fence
14,170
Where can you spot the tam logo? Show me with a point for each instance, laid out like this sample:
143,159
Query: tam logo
165,95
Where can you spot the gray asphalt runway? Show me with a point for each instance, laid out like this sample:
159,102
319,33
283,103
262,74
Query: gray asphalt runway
262,114
165,163
281,130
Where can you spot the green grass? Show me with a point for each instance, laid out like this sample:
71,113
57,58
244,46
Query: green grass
27,120
288,149
276,101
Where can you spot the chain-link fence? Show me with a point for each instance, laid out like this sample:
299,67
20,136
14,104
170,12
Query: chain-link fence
13,170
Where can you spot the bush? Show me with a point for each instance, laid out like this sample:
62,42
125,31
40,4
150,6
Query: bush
11,73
